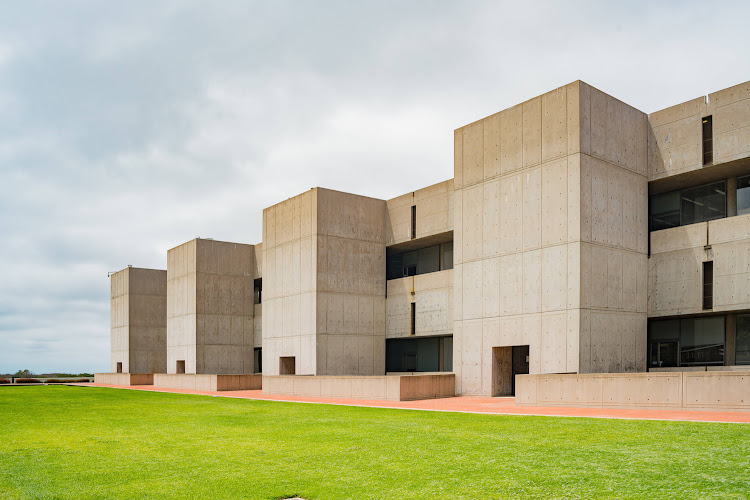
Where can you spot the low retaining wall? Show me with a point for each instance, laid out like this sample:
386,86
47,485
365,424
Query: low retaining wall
208,382
692,390
385,387
124,378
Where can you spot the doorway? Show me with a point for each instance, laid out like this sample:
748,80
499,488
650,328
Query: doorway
286,365
507,362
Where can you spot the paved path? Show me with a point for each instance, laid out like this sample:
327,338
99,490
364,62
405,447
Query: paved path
472,404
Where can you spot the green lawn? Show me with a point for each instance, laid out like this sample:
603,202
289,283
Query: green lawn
80,442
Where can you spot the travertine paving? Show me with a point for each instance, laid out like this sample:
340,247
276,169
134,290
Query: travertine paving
474,404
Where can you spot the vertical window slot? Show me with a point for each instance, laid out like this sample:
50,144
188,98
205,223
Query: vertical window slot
708,285
413,318
413,221
708,140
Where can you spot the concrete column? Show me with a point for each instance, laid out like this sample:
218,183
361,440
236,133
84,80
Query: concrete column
731,197
729,347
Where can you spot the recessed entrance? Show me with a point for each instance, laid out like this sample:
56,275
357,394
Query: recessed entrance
507,362
180,366
286,365
119,367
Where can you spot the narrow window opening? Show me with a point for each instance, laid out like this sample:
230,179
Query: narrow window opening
708,285
413,318
258,291
181,366
258,360
119,367
708,141
413,221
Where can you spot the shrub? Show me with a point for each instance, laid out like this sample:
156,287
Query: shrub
66,381
4,381
28,381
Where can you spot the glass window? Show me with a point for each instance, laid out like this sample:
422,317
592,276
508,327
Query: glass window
687,342
395,266
742,340
704,203
688,206
743,195
422,261
448,255
665,211
428,260
702,341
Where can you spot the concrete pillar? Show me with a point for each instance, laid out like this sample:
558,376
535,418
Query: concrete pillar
729,348
731,197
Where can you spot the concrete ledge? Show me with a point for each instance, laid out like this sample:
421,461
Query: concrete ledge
124,378
382,387
208,382
690,390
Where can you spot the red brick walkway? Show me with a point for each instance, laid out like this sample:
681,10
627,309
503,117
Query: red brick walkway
473,404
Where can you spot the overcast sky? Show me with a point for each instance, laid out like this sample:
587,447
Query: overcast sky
127,128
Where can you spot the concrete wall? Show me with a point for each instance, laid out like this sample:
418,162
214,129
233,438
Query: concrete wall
350,284
676,267
124,379
434,213
324,292
392,388
289,267
614,235
139,320
208,382
433,295
549,207
675,133
210,307
726,390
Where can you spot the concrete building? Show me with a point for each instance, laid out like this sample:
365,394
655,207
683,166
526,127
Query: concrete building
578,235
210,308
139,321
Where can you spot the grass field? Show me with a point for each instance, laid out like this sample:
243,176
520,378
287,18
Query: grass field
81,442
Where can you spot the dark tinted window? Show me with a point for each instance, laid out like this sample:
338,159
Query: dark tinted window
743,195
704,203
686,342
742,342
688,206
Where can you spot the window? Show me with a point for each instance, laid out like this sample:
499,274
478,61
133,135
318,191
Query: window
688,206
422,261
258,360
181,366
413,221
743,195
413,318
258,291
703,203
119,367
448,256
686,342
421,354
742,340
708,141
702,341
708,285
665,211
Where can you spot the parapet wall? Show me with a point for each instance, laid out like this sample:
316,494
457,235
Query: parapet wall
383,387
728,390
124,378
208,382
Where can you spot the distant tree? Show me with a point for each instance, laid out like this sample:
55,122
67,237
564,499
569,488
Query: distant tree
23,373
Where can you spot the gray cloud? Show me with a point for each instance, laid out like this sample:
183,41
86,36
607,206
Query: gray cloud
128,128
